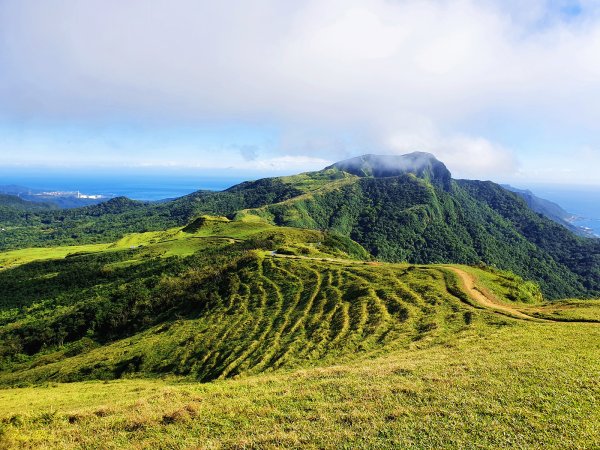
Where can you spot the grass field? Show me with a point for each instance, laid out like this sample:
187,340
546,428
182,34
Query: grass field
275,312
300,346
501,383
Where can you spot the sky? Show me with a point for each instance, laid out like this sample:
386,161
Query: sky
503,90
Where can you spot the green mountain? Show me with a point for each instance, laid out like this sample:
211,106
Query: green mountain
17,203
301,311
399,208
420,215
15,210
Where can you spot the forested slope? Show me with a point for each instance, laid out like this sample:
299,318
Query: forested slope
401,209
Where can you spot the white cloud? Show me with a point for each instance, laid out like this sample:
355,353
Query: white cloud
288,163
372,68
465,156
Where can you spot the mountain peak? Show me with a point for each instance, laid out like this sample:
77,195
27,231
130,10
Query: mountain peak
421,164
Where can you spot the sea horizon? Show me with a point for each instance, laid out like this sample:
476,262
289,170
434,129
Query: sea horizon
145,186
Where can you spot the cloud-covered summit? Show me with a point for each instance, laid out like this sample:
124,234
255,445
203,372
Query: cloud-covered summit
421,164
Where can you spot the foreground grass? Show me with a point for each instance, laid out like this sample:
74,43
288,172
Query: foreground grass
502,383
567,310
315,351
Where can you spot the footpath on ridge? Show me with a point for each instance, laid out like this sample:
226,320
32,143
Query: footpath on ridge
469,286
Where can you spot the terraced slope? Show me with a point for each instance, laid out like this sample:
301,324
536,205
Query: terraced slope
219,298
269,312
414,367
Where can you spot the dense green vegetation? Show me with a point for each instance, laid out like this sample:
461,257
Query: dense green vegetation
579,255
406,218
405,213
12,201
14,210
316,310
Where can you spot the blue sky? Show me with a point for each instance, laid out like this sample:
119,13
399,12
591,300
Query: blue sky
502,90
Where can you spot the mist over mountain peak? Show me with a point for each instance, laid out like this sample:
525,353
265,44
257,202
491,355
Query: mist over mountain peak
421,164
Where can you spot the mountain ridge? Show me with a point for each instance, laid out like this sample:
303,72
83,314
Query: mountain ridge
400,208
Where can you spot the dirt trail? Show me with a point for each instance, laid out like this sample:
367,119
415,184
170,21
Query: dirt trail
469,285
468,281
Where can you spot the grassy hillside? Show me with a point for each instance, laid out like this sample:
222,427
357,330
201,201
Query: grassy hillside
219,298
267,313
406,218
214,299
497,383
299,339
400,209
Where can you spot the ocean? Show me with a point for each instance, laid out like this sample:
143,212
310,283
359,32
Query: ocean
137,186
582,201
